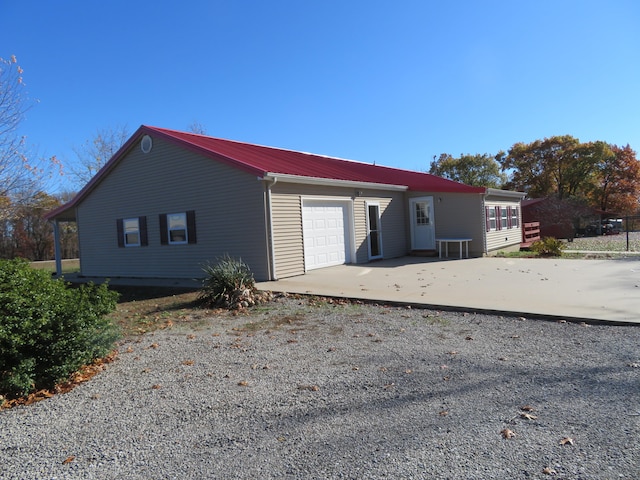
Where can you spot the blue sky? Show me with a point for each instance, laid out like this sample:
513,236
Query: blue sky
377,81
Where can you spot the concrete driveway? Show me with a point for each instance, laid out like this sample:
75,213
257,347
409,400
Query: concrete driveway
604,290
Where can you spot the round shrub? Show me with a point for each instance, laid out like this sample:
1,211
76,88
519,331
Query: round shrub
48,329
548,247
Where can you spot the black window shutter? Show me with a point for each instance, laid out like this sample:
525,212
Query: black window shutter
142,225
191,226
164,236
120,230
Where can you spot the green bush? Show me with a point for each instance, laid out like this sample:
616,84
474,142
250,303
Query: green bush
228,284
48,330
548,247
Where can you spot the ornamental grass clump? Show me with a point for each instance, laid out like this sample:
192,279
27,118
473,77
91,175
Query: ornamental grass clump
229,284
49,330
548,247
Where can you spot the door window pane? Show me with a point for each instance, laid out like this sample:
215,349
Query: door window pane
422,213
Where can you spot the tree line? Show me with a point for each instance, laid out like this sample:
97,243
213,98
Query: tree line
598,174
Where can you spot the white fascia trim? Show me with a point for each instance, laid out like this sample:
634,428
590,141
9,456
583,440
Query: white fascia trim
491,192
330,182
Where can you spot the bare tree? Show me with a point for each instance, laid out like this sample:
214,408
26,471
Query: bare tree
19,176
197,127
95,152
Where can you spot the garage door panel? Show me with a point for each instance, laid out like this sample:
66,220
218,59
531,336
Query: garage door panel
324,232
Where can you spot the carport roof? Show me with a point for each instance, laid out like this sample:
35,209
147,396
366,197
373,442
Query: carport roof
266,162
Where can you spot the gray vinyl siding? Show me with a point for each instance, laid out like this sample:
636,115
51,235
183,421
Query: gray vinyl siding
459,215
286,201
287,235
228,204
507,237
392,225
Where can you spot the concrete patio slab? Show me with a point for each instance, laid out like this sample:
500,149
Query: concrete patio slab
602,290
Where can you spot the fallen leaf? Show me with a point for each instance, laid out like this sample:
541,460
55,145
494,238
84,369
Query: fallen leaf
528,416
452,352
243,383
506,433
549,471
468,337
408,371
156,387
69,459
154,345
566,441
527,408
634,365
443,413
311,388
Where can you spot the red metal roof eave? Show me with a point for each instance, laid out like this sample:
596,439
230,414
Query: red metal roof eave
335,169
164,133
340,170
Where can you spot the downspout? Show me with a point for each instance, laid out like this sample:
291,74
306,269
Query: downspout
269,230
56,242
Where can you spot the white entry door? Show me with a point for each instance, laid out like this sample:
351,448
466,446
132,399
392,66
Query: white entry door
325,227
423,229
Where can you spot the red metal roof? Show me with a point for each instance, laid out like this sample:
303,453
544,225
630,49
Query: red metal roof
261,160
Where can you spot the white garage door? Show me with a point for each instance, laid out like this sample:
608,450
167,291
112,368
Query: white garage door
325,232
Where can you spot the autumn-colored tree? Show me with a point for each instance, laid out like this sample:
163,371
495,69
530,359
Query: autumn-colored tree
477,170
557,166
616,188
67,231
94,153
31,234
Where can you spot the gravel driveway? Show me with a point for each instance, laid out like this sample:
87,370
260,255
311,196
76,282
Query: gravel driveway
311,389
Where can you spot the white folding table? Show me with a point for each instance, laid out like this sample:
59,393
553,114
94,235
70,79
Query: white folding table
446,242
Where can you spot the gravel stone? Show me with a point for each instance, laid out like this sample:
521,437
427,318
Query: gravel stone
302,388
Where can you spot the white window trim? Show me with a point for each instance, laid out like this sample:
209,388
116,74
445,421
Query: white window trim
169,229
124,231
493,226
515,220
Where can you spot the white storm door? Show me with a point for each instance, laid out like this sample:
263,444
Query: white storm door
325,233
423,230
